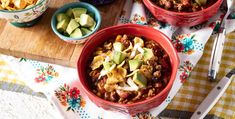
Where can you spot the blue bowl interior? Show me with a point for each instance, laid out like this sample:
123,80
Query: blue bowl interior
90,8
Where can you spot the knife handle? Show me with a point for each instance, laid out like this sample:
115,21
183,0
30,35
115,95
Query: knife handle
211,99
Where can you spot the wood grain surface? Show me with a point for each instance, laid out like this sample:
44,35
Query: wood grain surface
39,41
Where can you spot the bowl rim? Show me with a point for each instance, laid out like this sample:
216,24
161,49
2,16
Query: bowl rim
67,6
8,11
161,93
181,13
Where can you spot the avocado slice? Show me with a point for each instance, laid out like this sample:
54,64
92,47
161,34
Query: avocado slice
118,57
139,79
72,26
62,25
76,33
148,53
69,13
62,16
78,11
86,20
134,64
118,46
85,31
93,26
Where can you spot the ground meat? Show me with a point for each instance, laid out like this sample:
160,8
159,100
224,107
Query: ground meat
182,5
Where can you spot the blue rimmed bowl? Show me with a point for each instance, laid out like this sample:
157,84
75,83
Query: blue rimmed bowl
90,8
26,17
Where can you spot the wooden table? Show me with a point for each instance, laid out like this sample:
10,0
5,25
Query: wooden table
40,43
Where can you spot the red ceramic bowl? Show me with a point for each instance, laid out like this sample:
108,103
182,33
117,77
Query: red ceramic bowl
182,18
132,29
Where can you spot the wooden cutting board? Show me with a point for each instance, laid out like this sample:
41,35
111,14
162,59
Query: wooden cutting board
40,43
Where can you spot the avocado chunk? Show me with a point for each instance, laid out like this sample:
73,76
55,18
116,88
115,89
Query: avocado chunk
85,31
106,65
78,11
69,13
148,53
76,33
62,16
139,79
134,64
118,46
77,19
72,26
93,26
201,2
62,25
86,20
118,57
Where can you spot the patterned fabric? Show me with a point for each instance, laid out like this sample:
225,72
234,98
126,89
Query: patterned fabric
61,86
196,88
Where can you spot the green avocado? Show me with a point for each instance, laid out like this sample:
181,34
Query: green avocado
85,31
139,79
76,33
134,64
72,26
118,57
118,46
78,11
148,54
62,16
62,25
93,26
69,13
201,2
86,20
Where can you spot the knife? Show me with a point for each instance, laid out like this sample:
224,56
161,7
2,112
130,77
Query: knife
213,96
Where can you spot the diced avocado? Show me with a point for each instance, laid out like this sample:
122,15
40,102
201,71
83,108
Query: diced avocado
118,46
93,26
139,79
69,13
138,40
91,14
76,33
72,26
78,11
138,57
62,16
201,2
118,57
77,19
148,53
106,65
62,25
134,64
86,20
85,31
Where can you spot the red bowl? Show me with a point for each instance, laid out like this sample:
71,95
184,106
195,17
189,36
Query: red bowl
130,29
182,18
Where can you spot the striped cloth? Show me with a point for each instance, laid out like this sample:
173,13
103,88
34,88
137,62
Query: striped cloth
198,86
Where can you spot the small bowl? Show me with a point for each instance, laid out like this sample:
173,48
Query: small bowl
182,18
130,29
90,8
26,17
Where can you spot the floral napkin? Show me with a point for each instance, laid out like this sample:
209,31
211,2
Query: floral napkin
61,84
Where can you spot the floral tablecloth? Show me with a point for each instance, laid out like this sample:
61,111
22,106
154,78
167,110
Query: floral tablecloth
61,84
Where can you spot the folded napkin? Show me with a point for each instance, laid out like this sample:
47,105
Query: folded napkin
61,85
